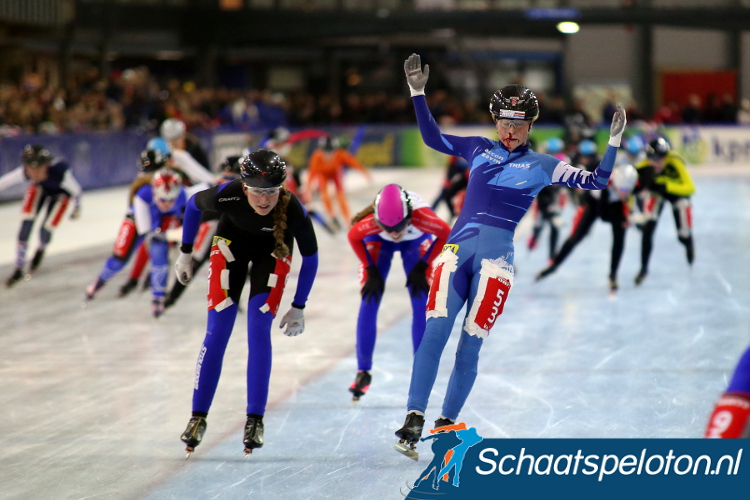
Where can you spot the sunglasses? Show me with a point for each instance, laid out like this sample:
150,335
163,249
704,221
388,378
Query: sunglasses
265,191
515,124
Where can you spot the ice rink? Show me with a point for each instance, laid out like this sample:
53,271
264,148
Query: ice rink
93,400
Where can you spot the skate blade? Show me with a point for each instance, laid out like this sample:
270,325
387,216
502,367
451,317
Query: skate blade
27,277
189,451
406,449
248,452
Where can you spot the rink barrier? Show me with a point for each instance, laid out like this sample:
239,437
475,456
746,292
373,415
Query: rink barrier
108,159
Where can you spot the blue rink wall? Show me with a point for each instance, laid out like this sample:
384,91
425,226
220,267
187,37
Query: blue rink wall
107,159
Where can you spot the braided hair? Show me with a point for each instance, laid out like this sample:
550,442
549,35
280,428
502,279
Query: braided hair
369,209
281,250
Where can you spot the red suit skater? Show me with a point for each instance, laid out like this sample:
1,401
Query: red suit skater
398,221
327,165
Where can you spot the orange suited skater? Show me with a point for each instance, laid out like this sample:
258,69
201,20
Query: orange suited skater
327,165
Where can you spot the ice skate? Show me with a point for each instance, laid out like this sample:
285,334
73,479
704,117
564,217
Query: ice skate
157,307
14,278
193,434
253,434
360,385
613,285
94,288
545,272
128,287
443,422
409,435
640,277
37,260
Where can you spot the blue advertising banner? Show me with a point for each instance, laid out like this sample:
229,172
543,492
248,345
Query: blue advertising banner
463,465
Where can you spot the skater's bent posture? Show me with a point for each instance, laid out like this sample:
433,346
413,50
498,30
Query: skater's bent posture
50,182
259,221
476,265
398,221
731,415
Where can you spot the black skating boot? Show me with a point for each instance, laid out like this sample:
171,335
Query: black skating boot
612,284
410,434
442,422
14,278
128,287
640,277
193,434
37,260
253,433
174,294
157,307
545,272
360,385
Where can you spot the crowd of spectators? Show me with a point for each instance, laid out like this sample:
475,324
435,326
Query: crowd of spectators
134,100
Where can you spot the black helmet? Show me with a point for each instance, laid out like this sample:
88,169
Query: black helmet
657,148
152,160
35,156
263,169
232,164
514,102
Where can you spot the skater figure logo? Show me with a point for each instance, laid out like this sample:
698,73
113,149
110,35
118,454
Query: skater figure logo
449,446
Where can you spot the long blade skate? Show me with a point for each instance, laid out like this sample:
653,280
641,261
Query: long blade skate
408,449
253,437
360,385
193,434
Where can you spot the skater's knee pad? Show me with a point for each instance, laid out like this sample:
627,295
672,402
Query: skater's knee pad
126,238
445,265
218,281
495,282
730,418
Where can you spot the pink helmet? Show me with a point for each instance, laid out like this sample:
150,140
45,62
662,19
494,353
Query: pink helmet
393,208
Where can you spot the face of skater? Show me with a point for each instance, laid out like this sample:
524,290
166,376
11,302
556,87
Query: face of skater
262,200
658,163
397,236
37,173
512,133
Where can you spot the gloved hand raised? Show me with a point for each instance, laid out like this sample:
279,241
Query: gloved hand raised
416,281
619,120
415,77
374,285
294,320
183,268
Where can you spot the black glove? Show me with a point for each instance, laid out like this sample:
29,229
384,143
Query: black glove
658,187
374,285
416,281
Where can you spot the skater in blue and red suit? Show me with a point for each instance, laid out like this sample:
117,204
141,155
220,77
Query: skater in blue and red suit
259,222
157,206
731,415
51,185
398,221
475,267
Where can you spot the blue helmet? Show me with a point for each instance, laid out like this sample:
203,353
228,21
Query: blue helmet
634,145
587,147
555,145
159,144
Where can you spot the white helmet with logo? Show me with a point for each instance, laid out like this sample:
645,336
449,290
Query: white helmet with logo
172,129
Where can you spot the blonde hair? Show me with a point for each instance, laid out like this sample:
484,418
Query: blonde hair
137,184
281,250
369,209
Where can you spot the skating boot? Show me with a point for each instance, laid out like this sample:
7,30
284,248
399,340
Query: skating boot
640,277
442,422
410,434
360,385
128,287
15,277
612,285
37,260
193,434
94,288
253,434
174,294
157,306
545,272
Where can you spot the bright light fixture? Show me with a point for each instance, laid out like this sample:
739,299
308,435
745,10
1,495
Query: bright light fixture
568,27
